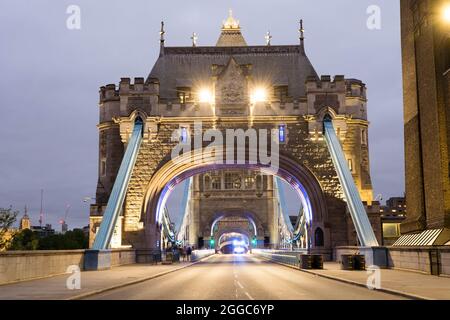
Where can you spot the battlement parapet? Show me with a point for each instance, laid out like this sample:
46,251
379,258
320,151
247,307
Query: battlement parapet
108,93
355,88
139,86
326,83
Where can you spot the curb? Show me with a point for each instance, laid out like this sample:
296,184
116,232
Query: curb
354,283
118,286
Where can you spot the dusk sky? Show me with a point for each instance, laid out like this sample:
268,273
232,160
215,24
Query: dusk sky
50,77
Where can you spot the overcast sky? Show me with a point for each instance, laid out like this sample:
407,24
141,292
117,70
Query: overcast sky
50,77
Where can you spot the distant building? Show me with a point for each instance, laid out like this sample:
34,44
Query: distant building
25,222
43,231
64,227
393,214
86,231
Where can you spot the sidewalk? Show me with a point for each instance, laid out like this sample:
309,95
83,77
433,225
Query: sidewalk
406,283
54,288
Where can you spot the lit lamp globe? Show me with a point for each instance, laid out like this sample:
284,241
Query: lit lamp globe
205,96
446,13
259,95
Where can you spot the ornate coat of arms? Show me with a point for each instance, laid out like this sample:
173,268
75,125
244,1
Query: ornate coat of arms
232,89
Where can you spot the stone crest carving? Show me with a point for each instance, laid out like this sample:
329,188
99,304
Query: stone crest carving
231,87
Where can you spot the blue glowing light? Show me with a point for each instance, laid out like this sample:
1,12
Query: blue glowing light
282,133
184,134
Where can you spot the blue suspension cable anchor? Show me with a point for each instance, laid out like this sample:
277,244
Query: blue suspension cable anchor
358,213
119,190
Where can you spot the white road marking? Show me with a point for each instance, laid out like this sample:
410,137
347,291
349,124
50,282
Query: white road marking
249,296
240,285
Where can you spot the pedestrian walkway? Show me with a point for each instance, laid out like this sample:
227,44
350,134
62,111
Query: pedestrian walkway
55,288
407,283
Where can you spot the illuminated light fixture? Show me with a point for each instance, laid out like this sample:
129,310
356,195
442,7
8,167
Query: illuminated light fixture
282,133
259,95
205,96
446,13
183,135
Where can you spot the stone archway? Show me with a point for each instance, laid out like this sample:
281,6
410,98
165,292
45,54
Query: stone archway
175,171
227,221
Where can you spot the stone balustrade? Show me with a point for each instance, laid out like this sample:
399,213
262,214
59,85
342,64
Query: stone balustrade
26,265
428,260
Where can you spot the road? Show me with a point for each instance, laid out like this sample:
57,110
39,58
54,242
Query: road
241,277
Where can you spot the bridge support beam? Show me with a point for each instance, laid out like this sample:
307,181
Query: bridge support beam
97,260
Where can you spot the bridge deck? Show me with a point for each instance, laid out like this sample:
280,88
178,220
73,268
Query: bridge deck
231,275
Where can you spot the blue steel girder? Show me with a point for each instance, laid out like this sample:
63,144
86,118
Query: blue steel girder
115,202
358,213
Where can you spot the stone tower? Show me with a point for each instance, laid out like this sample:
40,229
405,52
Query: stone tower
217,85
233,193
426,85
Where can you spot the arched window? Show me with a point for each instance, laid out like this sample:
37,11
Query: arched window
447,55
258,182
318,238
207,182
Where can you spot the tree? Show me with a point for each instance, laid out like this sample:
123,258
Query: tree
7,219
71,240
25,240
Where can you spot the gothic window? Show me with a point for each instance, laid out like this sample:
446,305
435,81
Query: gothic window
350,165
207,182
364,137
233,181
228,180
259,182
183,134
103,167
216,183
281,93
184,94
237,182
318,238
447,55
249,182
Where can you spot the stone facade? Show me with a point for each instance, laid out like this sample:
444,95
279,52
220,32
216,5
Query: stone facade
219,196
169,101
426,79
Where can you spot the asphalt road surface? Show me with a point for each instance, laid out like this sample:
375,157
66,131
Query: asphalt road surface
241,277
